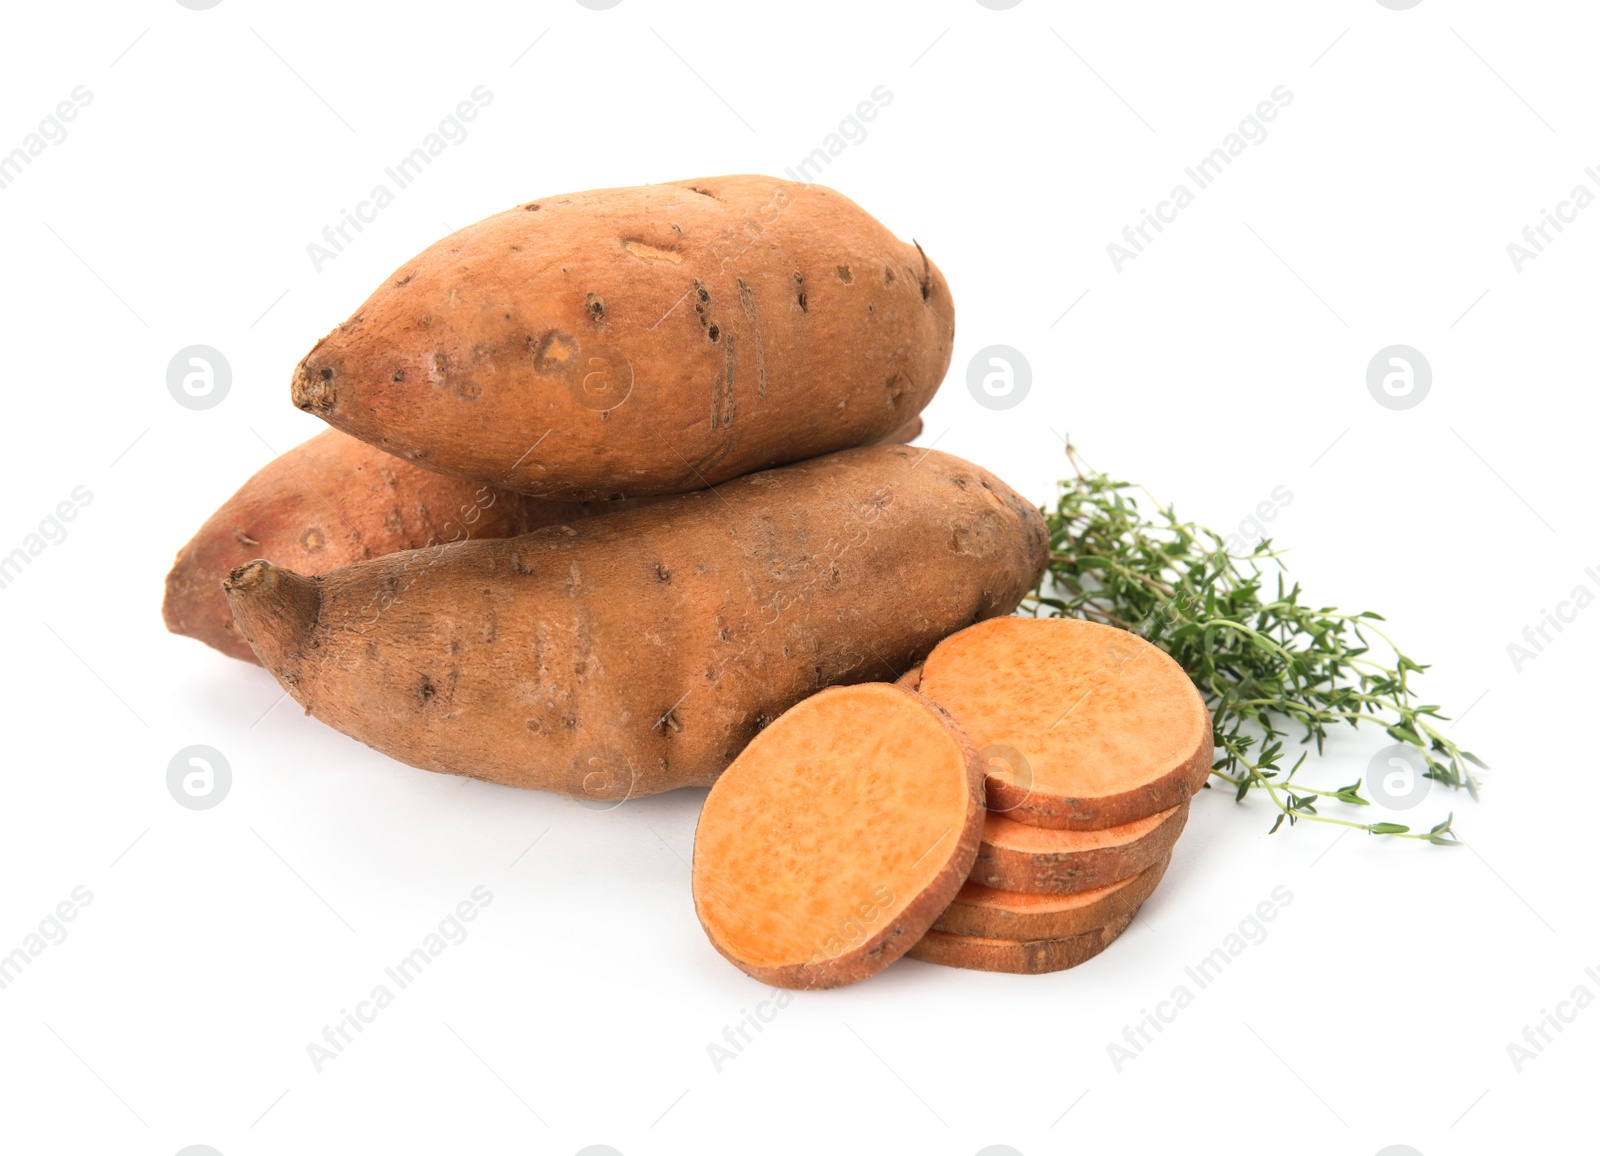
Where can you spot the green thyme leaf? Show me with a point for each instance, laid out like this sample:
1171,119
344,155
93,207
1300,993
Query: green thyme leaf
1268,664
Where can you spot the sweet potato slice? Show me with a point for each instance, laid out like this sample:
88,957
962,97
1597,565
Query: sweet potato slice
993,914
1082,726
1018,857
837,837
1019,957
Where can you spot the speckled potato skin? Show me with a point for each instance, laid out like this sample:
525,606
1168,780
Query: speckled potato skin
645,340
327,503
334,500
639,652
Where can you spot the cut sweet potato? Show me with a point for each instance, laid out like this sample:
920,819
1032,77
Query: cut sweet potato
1097,726
991,914
1019,957
837,837
911,679
1018,857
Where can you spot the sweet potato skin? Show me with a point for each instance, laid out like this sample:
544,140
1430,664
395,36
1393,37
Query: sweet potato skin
327,503
644,340
1017,957
638,652
1062,872
971,912
333,500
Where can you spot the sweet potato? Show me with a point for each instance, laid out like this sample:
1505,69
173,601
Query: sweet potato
991,914
832,842
905,434
1094,726
641,341
334,500
1018,857
327,503
911,679
1018,957
641,651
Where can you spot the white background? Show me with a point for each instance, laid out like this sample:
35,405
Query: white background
1226,360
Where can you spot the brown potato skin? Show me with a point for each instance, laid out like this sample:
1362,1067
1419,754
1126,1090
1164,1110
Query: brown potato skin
327,503
639,652
334,500
647,340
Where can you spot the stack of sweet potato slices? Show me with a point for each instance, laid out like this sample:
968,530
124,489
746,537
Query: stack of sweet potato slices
1093,742
1007,806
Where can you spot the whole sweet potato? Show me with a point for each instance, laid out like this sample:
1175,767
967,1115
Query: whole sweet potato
638,652
334,500
327,503
645,340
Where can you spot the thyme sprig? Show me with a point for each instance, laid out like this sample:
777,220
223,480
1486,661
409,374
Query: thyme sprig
1266,662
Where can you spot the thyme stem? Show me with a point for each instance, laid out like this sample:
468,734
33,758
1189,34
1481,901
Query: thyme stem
1265,661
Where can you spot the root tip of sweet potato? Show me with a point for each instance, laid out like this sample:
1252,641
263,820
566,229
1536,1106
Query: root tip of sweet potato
275,609
312,390
248,578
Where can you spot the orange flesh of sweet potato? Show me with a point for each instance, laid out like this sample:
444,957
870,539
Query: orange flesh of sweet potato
837,837
1018,957
1017,857
993,914
911,679
1109,728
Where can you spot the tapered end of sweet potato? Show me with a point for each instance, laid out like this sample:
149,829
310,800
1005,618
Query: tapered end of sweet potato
276,610
190,605
312,388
